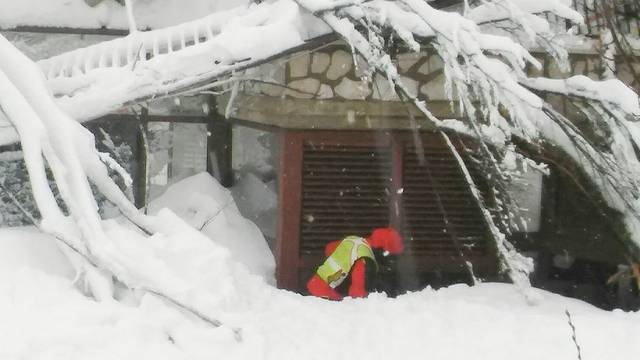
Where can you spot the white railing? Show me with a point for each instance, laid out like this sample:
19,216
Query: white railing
136,47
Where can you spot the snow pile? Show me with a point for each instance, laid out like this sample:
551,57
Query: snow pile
207,206
45,317
28,248
257,201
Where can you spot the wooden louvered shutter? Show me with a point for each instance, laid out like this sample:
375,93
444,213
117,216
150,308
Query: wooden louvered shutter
345,190
441,222
354,182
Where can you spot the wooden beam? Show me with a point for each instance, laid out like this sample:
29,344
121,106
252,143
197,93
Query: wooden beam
178,119
333,114
67,30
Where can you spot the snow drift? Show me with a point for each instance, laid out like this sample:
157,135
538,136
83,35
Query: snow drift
45,317
207,206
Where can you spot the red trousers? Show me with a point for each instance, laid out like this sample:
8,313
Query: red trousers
357,288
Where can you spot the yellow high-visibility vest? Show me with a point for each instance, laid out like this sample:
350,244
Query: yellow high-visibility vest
337,266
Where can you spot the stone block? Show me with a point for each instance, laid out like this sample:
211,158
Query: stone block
272,90
434,90
325,92
320,62
434,63
352,90
406,61
299,66
410,84
341,63
308,87
363,67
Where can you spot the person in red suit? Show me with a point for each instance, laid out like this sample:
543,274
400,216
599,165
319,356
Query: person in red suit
347,258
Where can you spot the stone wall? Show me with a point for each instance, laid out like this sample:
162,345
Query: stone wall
331,80
331,73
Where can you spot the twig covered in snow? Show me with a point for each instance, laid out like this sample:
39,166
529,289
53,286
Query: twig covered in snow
96,267
517,266
573,333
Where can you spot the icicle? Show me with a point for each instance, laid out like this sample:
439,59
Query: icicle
183,41
169,42
115,57
196,35
131,50
102,59
156,47
209,32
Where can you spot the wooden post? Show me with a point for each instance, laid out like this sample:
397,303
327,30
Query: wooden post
141,191
219,147
289,208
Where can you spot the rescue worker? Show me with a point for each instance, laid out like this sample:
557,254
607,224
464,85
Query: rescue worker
349,257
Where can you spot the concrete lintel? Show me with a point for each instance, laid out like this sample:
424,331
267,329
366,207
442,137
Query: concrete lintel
333,114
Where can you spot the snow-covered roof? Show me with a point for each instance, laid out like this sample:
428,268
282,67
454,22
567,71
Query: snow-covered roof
106,14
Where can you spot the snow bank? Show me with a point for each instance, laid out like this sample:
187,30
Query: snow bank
207,206
257,201
44,317
28,248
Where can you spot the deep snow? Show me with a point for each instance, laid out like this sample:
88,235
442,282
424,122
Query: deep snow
43,316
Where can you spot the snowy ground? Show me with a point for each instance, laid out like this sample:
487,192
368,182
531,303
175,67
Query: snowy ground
43,316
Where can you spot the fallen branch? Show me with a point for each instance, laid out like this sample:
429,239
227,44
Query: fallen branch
94,264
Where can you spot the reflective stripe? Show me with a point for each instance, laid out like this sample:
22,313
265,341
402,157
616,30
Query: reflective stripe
334,265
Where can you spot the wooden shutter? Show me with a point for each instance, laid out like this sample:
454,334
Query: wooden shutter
441,222
345,190
353,182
